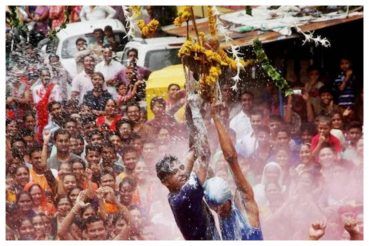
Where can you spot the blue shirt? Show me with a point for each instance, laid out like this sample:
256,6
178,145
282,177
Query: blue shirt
347,96
190,212
236,227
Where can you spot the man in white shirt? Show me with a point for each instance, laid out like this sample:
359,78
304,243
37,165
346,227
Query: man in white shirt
247,145
43,85
109,68
241,122
82,82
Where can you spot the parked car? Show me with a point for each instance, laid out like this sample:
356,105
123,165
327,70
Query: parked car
155,53
65,45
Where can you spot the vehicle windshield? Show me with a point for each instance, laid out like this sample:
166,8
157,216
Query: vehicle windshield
158,59
69,48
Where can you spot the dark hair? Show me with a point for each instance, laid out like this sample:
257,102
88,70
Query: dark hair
91,56
98,30
87,119
77,136
284,129
18,195
163,167
173,84
94,132
130,180
29,113
135,136
22,166
53,55
354,124
248,93
98,74
70,120
108,28
74,160
313,68
94,147
310,128
256,112
159,100
106,172
92,219
27,132
128,149
107,145
60,131
133,104
324,118
61,196
123,121
120,84
35,148
80,39
274,118
325,89
18,138
51,104
44,69
132,49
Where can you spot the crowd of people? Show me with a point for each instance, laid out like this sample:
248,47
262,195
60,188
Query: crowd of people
83,162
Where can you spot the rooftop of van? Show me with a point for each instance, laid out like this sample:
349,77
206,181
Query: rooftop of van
81,28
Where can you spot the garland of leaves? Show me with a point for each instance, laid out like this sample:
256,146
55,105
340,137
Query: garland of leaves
268,68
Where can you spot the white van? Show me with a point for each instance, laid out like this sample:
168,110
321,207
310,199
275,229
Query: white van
65,46
155,53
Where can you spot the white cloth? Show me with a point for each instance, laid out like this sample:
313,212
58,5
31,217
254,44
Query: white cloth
241,124
82,84
109,72
247,145
97,13
38,92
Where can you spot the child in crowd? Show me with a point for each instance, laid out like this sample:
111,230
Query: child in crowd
324,137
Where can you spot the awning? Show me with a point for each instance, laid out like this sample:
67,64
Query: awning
246,38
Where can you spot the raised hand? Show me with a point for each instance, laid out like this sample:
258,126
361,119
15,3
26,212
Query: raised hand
317,230
322,139
46,136
351,226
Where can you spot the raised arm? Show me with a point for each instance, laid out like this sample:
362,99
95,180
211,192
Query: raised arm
51,181
63,230
230,155
198,134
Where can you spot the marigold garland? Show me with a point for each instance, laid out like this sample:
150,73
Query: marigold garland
212,21
147,30
208,56
183,16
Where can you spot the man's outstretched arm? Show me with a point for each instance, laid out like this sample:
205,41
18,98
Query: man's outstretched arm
230,155
198,137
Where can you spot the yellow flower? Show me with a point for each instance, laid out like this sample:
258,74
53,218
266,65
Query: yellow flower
136,10
183,16
212,21
149,29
